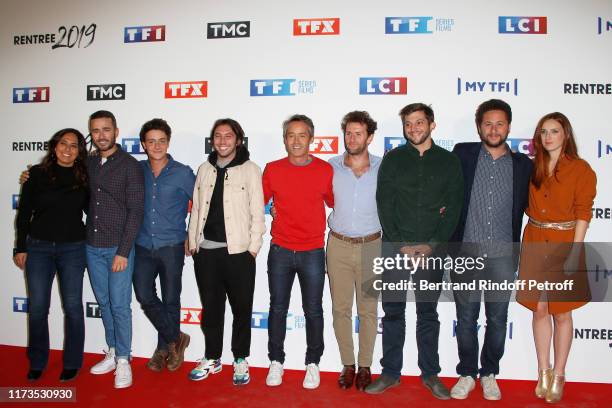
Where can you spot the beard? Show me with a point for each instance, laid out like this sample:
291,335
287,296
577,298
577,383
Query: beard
420,141
355,151
485,140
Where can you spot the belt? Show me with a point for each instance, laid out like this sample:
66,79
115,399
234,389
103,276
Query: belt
560,226
356,240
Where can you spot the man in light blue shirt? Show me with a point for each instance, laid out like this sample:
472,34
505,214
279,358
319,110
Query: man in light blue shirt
160,244
354,240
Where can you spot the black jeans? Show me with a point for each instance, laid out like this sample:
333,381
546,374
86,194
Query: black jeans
220,275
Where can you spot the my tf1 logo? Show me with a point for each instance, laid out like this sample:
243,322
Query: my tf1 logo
272,87
190,89
132,145
510,87
383,86
393,142
324,145
108,92
208,146
522,25
603,149
20,304
92,309
235,29
144,34
15,201
31,95
316,26
190,315
522,146
603,25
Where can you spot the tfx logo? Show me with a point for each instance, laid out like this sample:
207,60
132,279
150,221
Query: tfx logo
603,25
108,92
316,26
31,95
209,148
15,200
417,25
190,89
603,149
132,146
272,87
524,146
383,86
393,142
190,315
259,320
509,329
234,29
92,310
324,145
20,305
507,87
522,25
144,34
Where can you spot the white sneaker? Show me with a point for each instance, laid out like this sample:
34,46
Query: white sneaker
275,374
107,365
490,389
462,389
123,374
312,378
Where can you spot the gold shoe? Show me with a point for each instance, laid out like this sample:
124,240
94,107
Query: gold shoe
544,380
555,392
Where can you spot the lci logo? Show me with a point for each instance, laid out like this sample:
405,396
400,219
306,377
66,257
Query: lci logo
259,320
107,92
189,89
508,87
383,85
509,329
31,95
603,25
190,315
144,34
324,145
20,304
316,26
393,142
281,87
417,25
92,310
603,149
15,200
208,146
233,29
379,326
522,146
522,25
132,146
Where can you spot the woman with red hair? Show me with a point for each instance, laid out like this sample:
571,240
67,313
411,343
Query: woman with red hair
561,195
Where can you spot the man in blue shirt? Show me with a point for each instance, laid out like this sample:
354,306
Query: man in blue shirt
160,244
354,240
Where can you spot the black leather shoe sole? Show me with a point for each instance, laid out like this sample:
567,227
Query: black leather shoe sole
34,375
68,374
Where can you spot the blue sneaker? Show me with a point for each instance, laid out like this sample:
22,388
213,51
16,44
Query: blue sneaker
241,372
204,368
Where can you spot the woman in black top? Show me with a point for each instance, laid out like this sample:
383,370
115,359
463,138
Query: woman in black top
50,238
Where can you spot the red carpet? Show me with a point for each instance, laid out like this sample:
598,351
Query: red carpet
175,390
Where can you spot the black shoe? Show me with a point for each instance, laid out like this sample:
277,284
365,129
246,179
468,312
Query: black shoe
436,387
68,374
34,375
381,384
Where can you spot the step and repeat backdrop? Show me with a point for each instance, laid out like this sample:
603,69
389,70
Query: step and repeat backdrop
259,62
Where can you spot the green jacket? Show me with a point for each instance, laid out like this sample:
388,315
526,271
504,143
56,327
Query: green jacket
419,198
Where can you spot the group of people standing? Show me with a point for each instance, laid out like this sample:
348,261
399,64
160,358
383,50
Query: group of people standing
414,200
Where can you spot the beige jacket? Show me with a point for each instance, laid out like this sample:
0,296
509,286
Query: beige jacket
243,207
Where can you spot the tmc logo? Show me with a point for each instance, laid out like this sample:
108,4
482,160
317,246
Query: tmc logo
31,95
15,201
132,145
603,25
144,34
20,304
509,87
259,320
108,92
316,26
417,25
509,331
209,148
522,25
234,29
190,89
383,86
324,145
603,149
522,146
393,142
190,315
92,309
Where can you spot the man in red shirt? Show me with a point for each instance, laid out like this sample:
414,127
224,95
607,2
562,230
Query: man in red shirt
300,186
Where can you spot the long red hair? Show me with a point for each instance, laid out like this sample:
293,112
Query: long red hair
542,157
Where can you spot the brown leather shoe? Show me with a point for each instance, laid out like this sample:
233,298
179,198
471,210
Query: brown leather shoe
364,378
158,361
176,351
347,376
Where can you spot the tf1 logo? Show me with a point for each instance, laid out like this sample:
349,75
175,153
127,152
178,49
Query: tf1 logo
31,95
522,146
316,26
144,34
603,25
92,309
393,142
208,146
190,315
383,85
235,29
108,92
272,87
132,145
522,25
190,89
20,304
324,145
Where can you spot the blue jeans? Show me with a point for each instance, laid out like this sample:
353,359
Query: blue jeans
113,292
43,260
467,304
165,314
283,265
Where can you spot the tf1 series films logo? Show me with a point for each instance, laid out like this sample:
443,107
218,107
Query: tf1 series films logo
417,25
281,87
